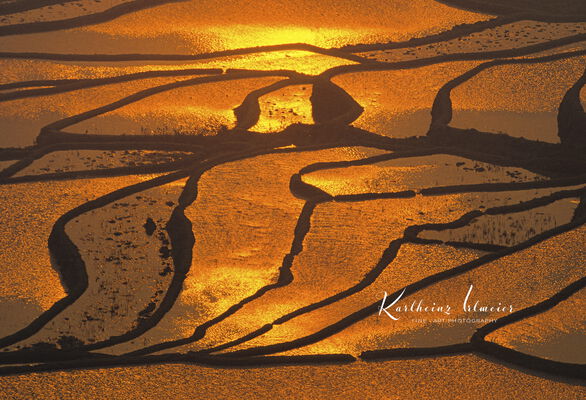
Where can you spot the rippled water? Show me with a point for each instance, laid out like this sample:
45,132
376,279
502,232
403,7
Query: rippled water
237,185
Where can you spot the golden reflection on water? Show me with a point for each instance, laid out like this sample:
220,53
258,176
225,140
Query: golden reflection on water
188,110
192,110
508,280
521,100
125,269
295,60
370,226
301,61
510,229
240,36
246,230
413,173
413,262
519,88
244,217
27,276
284,107
242,235
25,117
398,103
220,24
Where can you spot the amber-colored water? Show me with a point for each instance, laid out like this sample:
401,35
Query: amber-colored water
210,179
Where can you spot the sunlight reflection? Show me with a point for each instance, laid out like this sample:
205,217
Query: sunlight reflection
254,35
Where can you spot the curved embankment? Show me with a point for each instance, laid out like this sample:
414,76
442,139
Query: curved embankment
543,158
63,123
248,112
468,56
476,345
361,139
547,159
345,52
285,277
410,235
182,240
185,57
315,196
571,116
6,175
547,11
453,33
528,362
197,144
41,151
364,64
353,110
510,158
82,20
494,352
37,83
196,359
331,105
413,234
367,65
255,361
96,173
481,345
73,269
441,111
413,288
308,169
67,257
69,85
